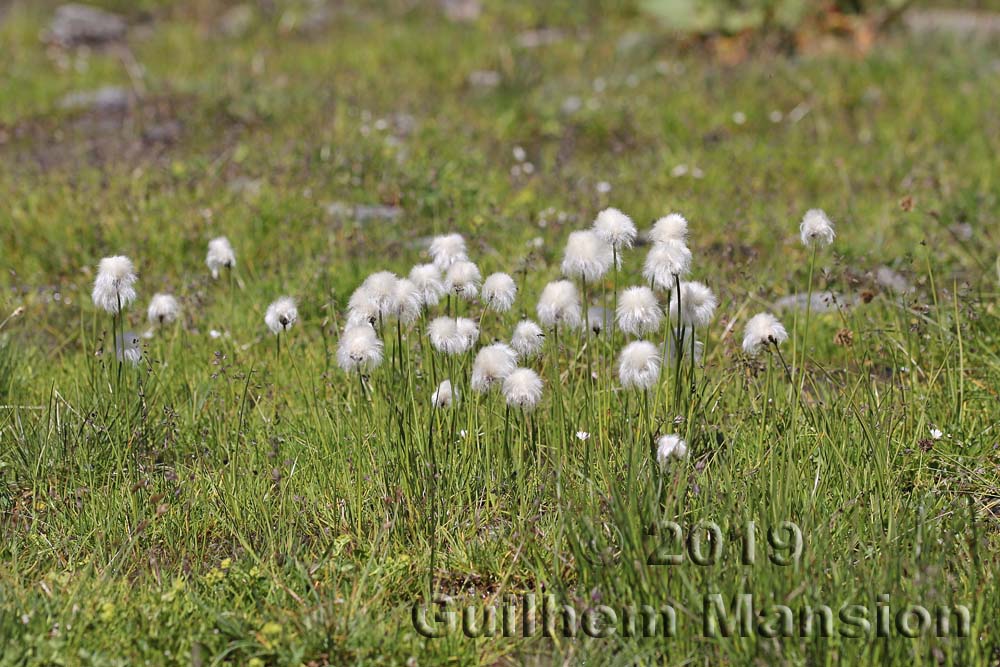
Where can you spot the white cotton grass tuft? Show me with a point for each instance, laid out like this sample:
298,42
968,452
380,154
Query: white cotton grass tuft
492,365
598,320
114,286
673,227
281,315
163,309
448,249
763,329
468,332
639,312
452,336
220,255
499,292
360,349
444,395
697,304
427,279
523,389
405,304
615,228
463,278
639,365
559,305
528,339
374,300
131,351
670,447
816,229
665,262
586,256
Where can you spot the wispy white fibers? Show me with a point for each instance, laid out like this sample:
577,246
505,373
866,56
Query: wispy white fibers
220,255
448,249
373,301
281,315
697,304
499,292
559,305
665,261
468,332
463,278
639,312
670,447
586,256
527,339
598,320
406,302
639,365
115,283
452,336
131,351
492,365
615,228
761,330
163,309
523,389
444,395
360,349
670,228
816,228
427,278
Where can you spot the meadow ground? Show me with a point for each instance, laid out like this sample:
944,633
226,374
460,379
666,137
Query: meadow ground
227,502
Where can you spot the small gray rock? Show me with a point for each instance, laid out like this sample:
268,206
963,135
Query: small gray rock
76,24
107,99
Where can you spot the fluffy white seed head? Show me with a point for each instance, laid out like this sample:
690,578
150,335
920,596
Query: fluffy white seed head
448,249
761,330
670,447
463,278
639,365
115,283
523,389
527,339
361,307
816,228
427,279
131,351
468,332
406,303
615,228
220,255
586,256
639,312
452,336
597,320
360,349
559,305
163,309
499,292
444,395
281,315
666,260
697,304
673,227
492,365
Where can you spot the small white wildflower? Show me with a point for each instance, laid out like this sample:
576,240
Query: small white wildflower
281,315
762,329
406,303
697,304
582,436
559,304
499,292
673,227
448,249
163,309
816,228
586,256
937,433
427,278
115,284
463,278
639,313
615,228
668,447
220,254
639,365
444,395
523,388
360,349
492,365
527,339
131,351
666,262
